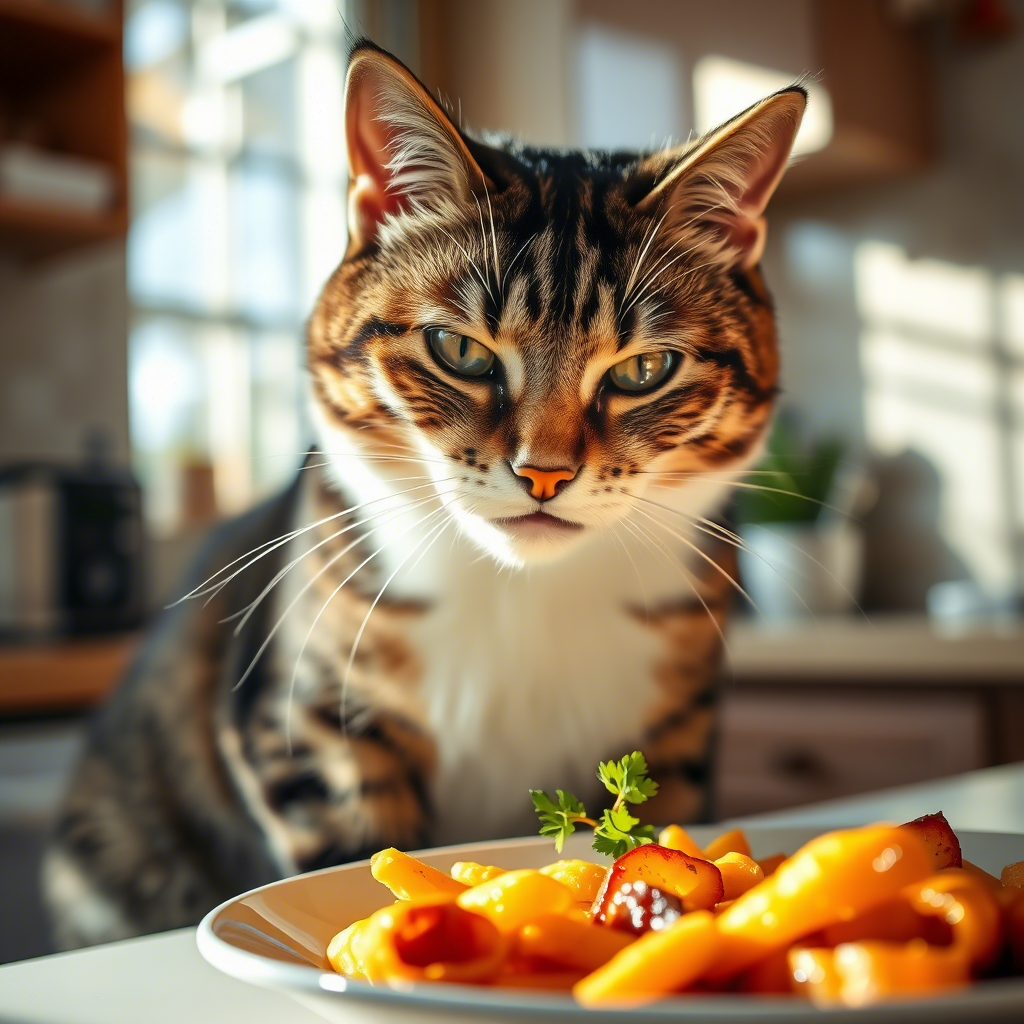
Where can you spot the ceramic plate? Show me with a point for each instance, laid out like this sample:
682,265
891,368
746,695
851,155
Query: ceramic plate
276,936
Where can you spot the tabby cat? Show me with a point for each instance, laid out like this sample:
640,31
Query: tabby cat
534,375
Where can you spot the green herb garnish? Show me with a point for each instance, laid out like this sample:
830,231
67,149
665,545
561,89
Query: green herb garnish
617,830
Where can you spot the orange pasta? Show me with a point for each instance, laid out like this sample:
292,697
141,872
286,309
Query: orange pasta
851,918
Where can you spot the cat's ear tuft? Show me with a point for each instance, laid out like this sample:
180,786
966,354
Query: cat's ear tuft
714,193
403,150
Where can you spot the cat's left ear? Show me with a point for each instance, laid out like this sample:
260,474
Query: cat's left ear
403,150
716,192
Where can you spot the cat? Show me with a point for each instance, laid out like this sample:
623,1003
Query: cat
533,377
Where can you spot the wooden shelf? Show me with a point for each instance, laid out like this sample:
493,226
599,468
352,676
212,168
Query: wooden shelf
60,19
63,676
883,108
35,230
35,34
62,86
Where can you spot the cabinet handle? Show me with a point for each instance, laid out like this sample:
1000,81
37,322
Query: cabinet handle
800,764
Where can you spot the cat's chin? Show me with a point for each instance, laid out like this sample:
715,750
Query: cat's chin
523,540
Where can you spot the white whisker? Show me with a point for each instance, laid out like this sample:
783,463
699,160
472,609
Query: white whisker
309,583
779,490
683,474
689,543
632,562
214,590
806,554
687,577
712,529
494,239
639,260
654,276
334,593
469,258
414,455
247,612
522,249
483,239
442,526
271,545
661,259
368,457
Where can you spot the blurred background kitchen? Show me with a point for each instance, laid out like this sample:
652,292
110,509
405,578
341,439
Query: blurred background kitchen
171,199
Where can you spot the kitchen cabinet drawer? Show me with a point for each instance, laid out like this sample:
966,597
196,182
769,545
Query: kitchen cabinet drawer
782,748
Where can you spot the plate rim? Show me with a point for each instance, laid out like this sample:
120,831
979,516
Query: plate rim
991,995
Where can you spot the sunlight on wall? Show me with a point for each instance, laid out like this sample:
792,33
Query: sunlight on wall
943,356
1011,311
935,373
722,87
924,295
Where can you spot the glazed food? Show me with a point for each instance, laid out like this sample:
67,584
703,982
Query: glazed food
852,917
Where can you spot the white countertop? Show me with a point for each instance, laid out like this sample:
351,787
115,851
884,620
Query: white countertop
885,649
163,980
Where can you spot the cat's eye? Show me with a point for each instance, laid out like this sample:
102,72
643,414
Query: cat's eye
643,372
459,353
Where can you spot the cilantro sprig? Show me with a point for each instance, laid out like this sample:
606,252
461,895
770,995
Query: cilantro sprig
616,831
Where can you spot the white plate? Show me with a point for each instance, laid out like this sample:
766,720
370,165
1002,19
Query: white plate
276,936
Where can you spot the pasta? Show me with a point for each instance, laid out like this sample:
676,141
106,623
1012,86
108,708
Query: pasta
852,917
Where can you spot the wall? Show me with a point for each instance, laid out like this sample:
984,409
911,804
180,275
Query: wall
968,210
503,64
63,366
953,453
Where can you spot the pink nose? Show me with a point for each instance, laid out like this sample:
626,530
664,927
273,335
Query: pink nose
543,482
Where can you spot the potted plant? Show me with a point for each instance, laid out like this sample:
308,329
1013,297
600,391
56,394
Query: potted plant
802,550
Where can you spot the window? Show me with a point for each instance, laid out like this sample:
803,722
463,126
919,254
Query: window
237,150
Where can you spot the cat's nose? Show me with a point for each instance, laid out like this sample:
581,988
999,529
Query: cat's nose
543,483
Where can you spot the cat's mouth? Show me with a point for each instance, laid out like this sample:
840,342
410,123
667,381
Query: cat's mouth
536,521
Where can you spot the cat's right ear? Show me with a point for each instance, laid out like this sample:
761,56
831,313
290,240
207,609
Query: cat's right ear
403,151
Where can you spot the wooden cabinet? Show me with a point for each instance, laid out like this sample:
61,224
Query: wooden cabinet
64,676
62,79
875,65
784,748
814,710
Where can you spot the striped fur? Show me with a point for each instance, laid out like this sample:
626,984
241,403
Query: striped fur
410,663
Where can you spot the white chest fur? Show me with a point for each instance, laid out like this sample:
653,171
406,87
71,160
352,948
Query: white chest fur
531,675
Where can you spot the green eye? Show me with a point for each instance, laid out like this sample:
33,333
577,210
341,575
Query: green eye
643,372
459,353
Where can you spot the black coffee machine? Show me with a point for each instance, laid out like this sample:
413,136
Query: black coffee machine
71,549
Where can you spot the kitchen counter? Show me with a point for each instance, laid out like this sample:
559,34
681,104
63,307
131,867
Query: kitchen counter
896,649
163,980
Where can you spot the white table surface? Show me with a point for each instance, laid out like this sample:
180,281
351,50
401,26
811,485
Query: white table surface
162,979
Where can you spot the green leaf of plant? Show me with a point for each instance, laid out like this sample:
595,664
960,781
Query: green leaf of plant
557,820
627,778
542,803
617,824
610,775
614,848
618,830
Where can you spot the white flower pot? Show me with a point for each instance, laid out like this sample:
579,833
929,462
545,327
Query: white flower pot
798,569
